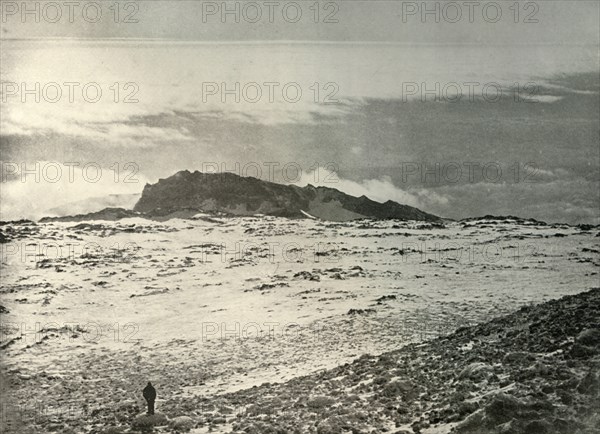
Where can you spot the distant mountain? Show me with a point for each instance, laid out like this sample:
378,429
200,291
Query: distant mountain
94,204
107,214
505,219
236,195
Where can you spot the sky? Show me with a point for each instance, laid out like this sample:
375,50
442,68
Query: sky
484,22
460,119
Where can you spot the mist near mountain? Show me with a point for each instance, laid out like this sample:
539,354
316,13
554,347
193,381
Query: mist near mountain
94,204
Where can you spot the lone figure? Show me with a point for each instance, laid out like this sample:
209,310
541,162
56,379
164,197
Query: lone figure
150,396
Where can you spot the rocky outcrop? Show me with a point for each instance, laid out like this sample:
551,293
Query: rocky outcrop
107,214
236,195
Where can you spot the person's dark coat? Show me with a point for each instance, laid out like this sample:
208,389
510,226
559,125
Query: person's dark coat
149,392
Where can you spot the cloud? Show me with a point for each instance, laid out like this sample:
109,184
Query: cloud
108,128
29,189
549,197
379,190
560,200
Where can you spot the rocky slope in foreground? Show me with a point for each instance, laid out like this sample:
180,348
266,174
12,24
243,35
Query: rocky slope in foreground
233,194
534,371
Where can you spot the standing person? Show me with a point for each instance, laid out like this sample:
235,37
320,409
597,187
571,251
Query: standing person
150,396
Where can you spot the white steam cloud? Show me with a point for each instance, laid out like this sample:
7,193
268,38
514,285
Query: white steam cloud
380,190
36,189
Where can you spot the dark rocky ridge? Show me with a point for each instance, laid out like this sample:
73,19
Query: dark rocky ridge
506,219
233,194
108,214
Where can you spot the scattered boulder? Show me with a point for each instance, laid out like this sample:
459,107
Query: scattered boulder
508,414
519,358
590,384
476,372
589,337
360,311
182,423
114,430
402,388
145,422
307,275
320,402
502,409
383,298
539,427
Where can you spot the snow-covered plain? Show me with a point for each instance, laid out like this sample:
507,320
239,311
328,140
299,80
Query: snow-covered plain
202,307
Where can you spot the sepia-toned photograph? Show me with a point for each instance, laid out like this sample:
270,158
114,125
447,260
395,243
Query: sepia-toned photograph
300,217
